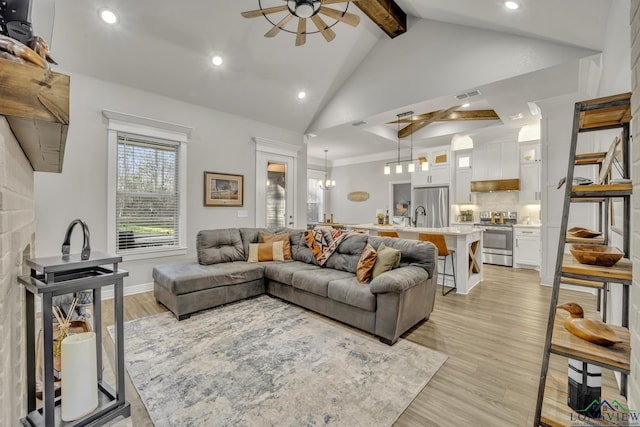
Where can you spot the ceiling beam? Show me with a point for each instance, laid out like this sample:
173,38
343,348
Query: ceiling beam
455,116
386,14
419,124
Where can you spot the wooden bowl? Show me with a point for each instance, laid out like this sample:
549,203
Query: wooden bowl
583,232
604,256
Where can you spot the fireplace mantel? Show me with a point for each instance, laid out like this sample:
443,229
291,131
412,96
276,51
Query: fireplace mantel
36,104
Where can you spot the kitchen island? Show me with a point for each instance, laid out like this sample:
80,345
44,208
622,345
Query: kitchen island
465,240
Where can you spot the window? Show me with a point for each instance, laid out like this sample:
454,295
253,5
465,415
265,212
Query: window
147,188
315,196
147,197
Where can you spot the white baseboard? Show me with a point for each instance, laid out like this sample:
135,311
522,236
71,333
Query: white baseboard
128,290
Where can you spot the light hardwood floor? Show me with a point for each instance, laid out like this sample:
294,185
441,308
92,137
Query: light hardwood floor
494,338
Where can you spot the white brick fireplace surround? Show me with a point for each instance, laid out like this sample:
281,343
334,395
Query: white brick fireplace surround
17,228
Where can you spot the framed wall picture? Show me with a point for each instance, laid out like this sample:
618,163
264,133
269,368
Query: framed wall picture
223,189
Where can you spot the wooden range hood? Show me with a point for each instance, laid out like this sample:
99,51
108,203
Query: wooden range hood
495,185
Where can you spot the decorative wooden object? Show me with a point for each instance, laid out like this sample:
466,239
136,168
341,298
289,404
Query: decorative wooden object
495,185
591,330
36,104
358,196
583,232
605,256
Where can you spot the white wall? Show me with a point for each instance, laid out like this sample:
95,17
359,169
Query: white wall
361,177
220,142
451,58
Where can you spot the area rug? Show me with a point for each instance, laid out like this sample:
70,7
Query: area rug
264,362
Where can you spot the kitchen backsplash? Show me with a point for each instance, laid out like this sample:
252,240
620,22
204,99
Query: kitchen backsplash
500,201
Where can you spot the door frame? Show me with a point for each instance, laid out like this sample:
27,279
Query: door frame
268,150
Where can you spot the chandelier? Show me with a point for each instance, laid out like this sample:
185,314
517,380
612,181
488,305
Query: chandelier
411,167
328,184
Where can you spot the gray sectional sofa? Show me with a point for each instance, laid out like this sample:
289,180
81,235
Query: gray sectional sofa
388,306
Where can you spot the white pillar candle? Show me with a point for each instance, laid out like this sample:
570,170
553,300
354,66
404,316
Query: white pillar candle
79,376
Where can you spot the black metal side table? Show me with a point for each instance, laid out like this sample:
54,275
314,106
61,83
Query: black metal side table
54,276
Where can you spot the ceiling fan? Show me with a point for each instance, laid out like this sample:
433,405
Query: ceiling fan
303,10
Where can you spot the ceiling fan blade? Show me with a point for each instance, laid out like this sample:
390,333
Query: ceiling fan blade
301,37
346,17
327,32
260,12
275,30
334,1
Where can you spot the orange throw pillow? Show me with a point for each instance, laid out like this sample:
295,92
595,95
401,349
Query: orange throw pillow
366,263
266,252
282,237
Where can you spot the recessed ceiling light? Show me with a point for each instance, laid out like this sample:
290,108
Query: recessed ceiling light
302,94
465,105
216,60
108,16
511,5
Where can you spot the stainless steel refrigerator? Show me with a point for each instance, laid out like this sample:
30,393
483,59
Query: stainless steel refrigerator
435,201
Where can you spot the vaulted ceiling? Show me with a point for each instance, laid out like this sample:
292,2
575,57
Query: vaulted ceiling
165,47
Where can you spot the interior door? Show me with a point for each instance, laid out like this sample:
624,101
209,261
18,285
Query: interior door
275,190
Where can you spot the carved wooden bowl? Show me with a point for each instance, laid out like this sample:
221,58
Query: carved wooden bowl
583,232
604,256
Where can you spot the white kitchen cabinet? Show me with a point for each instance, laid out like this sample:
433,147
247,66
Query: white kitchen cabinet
526,247
463,176
530,183
495,160
439,168
530,153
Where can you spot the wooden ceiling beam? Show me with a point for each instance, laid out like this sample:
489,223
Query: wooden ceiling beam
419,124
386,14
455,116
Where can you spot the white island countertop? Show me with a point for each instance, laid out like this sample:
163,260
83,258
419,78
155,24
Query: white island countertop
461,230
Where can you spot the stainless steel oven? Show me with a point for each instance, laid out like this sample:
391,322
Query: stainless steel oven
497,246
497,241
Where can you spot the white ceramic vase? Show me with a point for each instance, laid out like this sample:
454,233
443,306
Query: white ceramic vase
79,376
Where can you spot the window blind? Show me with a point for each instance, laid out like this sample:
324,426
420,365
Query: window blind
147,195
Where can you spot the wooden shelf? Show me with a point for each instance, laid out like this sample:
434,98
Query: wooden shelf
622,270
616,357
585,240
581,282
36,104
590,158
556,412
594,116
602,190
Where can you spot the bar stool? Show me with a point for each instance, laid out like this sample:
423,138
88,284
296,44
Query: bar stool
388,234
443,252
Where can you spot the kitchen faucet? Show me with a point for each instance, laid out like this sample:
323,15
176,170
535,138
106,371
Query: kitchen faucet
422,210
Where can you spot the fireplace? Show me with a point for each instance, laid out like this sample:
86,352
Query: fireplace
17,237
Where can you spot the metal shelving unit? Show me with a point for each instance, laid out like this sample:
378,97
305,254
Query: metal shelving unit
552,409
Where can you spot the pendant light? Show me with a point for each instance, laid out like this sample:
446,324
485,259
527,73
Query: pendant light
328,184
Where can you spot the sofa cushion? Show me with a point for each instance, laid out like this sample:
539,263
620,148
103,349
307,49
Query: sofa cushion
347,255
279,237
271,251
351,292
251,235
283,272
183,278
387,259
217,246
420,254
316,282
299,249
365,264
